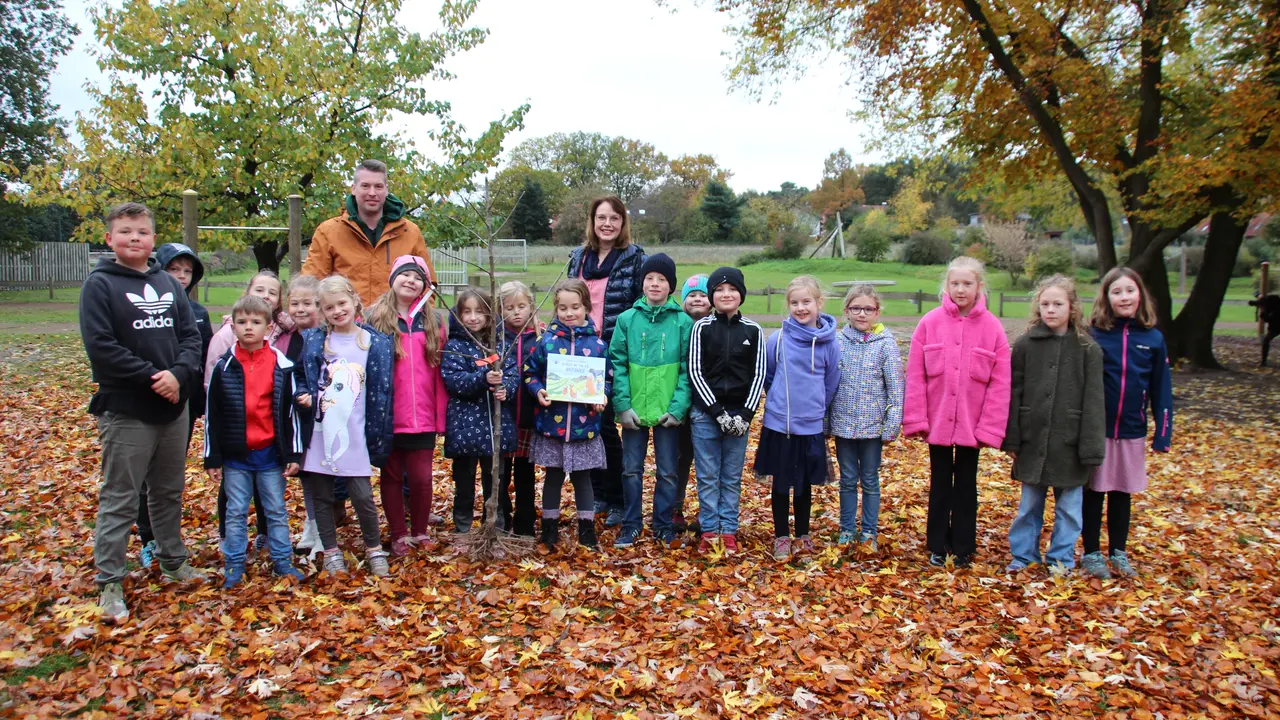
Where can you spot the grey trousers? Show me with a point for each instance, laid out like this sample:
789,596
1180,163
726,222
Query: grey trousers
137,455
361,496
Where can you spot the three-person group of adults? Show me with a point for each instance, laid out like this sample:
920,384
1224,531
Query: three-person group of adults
362,241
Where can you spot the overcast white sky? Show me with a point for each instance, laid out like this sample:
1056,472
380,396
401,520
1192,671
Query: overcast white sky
620,67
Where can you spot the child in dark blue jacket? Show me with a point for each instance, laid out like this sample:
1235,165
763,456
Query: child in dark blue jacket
349,431
1135,364
470,378
252,437
520,330
567,441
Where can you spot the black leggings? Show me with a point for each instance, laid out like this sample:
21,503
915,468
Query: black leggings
953,500
1119,510
525,511
464,492
781,506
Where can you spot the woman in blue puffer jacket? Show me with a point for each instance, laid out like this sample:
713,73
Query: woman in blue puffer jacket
609,263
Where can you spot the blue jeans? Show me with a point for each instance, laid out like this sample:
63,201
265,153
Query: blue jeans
1024,534
719,459
239,485
859,465
666,454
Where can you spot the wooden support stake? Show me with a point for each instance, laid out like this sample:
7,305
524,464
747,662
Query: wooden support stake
919,302
1002,304
51,286
190,227
295,235
768,295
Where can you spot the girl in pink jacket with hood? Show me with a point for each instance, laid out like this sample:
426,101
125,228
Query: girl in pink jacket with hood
958,384
406,314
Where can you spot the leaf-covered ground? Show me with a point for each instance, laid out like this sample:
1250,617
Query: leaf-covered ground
653,633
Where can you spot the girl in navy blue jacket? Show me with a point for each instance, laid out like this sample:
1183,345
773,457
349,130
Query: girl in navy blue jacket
1135,367
470,376
567,439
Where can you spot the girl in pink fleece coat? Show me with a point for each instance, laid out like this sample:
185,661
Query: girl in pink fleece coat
406,314
958,380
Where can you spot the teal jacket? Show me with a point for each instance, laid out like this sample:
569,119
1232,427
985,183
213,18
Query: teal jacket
650,353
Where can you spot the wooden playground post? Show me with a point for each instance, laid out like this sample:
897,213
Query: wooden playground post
919,302
191,231
768,299
295,235
1001,304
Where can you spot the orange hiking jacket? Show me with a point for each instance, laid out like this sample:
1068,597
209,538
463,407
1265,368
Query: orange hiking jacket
339,246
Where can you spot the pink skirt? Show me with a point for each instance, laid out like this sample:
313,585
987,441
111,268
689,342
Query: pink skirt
1123,469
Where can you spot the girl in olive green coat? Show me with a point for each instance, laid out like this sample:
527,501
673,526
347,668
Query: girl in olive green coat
1056,428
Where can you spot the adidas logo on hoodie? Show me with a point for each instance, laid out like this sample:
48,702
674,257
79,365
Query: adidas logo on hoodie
152,304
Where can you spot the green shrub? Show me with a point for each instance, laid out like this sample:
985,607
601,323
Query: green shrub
1246,263
1195,260
793,245
873,245
978,251
924,248
1085,256
1049,260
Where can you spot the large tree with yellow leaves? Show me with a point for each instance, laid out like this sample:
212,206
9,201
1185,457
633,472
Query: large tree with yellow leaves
1168,105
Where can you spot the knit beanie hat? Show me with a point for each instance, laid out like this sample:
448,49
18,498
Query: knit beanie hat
696,283
730,275
409,263
663,265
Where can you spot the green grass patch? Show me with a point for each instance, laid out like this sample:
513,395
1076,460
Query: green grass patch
49,666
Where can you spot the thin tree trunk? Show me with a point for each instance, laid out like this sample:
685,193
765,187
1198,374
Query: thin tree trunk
1191,333
264,252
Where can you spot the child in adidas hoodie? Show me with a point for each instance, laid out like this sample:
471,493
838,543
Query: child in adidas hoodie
144,350
184,265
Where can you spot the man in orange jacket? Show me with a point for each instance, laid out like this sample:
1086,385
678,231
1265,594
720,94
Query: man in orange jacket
361,242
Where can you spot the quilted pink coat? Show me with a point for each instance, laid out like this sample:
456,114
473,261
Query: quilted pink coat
958,377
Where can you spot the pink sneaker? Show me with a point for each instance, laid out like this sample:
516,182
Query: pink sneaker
730,542
805,543
401,547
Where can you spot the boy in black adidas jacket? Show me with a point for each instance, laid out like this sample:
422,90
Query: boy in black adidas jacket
183,264
253,436
726,370
143,349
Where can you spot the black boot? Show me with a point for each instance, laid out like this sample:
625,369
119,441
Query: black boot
587,534
550,532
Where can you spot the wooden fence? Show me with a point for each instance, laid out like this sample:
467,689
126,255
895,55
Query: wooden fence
47,262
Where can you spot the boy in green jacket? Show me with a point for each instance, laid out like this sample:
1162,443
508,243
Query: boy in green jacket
650,351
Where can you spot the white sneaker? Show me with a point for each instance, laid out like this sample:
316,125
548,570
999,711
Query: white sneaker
310,536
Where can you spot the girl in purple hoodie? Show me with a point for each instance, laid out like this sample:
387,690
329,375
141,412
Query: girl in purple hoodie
958,385
793,451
